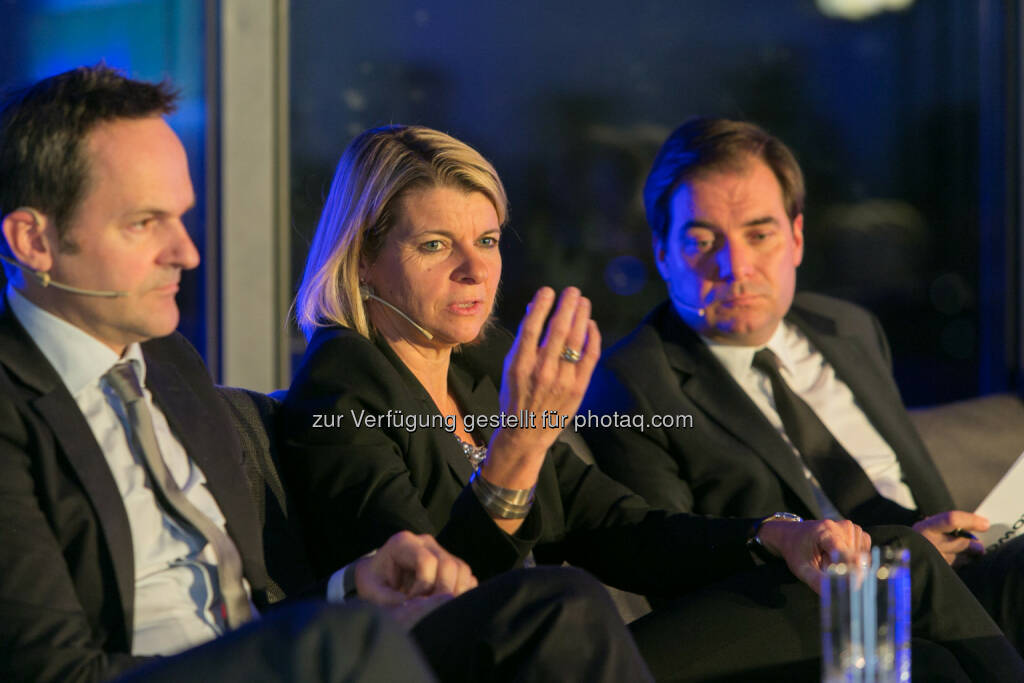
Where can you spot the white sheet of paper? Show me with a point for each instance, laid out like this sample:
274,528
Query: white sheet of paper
1004,507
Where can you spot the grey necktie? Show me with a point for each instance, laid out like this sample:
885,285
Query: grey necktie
125,383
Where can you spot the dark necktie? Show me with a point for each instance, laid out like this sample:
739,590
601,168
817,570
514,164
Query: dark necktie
125,383
840,476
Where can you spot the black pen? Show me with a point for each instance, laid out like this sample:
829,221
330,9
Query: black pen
962,533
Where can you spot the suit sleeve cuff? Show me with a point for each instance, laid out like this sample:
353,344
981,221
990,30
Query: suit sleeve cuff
341,587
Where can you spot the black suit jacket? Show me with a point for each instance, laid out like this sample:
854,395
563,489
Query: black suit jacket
66,565
390,478
732,461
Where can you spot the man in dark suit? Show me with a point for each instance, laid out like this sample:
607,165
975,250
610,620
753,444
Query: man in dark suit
791,401
128,531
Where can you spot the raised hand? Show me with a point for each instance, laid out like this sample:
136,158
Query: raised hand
549,374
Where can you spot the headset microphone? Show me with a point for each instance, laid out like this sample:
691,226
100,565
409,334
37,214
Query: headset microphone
43,278
366,292
699,310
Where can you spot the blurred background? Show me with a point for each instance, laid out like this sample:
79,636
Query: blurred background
905,116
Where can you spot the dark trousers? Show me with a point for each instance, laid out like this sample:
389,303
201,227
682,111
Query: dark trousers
544,624
307,641
540,624
997,580
764,625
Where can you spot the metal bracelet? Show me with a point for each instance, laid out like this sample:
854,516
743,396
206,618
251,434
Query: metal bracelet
501,502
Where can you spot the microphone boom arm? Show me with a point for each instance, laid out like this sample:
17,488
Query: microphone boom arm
43,278
367,293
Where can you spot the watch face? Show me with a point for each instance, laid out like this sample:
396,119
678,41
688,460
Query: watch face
786,517
755,536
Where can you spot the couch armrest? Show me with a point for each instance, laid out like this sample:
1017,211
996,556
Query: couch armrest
973,442
254,418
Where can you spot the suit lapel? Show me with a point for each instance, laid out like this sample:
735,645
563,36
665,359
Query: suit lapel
57,408
214,449
854,368
439,440
881,403
713,390
76,440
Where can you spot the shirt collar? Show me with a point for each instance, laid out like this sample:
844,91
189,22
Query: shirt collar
739,359
79,358
790,345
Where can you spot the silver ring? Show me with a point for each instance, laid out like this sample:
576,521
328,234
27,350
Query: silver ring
571,355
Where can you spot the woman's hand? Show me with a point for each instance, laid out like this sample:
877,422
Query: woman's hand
540,382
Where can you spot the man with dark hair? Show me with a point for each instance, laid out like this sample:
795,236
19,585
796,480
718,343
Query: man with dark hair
128,532
792,399
47,168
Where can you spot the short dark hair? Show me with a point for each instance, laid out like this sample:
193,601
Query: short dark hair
43,128
708,145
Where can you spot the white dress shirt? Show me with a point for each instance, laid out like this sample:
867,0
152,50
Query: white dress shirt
175,572
812,378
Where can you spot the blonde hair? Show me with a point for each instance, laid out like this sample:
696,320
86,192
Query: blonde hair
374,172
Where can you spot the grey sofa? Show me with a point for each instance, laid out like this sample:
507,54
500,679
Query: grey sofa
973,442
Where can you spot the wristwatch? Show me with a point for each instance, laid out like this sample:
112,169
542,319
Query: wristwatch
754,544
